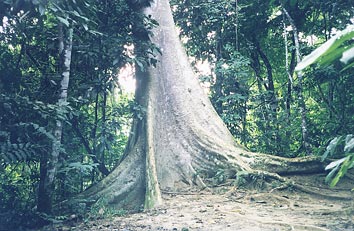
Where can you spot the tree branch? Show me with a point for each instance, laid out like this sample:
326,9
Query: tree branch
101,167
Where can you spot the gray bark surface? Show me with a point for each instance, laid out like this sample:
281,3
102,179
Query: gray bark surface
180,140
46,190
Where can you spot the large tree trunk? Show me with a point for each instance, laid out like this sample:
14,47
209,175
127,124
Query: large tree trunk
180,141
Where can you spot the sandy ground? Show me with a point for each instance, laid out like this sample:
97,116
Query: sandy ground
229,208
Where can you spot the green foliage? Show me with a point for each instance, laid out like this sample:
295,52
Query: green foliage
263,112
101,209
23,128
78,167
16,188
339,168
16,152
339,46
97,116
231,104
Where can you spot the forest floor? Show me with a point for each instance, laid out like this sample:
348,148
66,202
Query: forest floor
228,208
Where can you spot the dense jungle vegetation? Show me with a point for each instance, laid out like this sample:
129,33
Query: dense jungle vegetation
65,116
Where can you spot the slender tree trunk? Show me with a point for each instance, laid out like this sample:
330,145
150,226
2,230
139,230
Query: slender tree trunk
101,167
328,100
267,97
244,124
103,132
272,100
93,151
218,74
255,64
290,75
301,100
43,202
331,87
45,197
289,84
237,46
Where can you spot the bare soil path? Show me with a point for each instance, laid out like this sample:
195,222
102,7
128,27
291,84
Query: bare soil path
228,208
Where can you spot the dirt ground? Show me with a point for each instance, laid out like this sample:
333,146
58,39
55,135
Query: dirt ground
229,208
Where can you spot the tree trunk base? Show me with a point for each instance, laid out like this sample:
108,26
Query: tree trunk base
180,144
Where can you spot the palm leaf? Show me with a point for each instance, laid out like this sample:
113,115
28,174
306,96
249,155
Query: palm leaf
330,50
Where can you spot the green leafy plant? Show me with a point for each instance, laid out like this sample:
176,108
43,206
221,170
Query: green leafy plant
13,152
242,178
339,168
79,167
101,209
339,46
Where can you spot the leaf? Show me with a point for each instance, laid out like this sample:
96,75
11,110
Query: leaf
140,64
17,155
11,156
343,170
64,21
41,9
94,32
349,143
76,13
327,48
335,163
83,168
348,66
330,175
79,15
347,55
331,57
23,154
6,158
115,61
348,138
331,147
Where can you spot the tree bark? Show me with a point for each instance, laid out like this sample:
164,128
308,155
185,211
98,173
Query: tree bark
218,75
180,141
45,194
301,100
290,72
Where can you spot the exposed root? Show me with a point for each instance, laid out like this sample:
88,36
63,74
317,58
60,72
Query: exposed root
286,183
296,227
179,193
282,165
306,189
282,187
